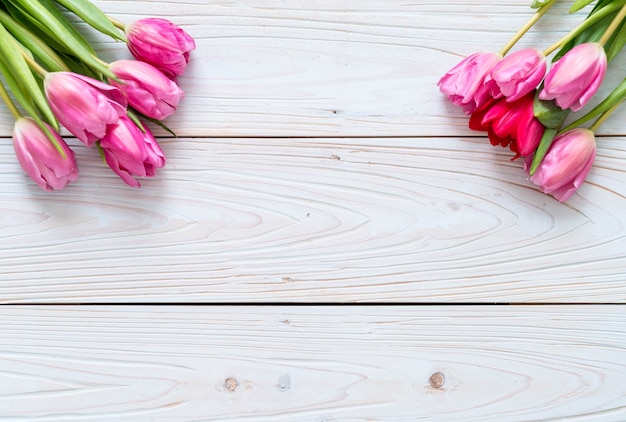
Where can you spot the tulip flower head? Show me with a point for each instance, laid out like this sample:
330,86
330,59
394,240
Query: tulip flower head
161,43
510,124
147,89
39,157
566,164
575,77
464,83
130,152
84,105
517,74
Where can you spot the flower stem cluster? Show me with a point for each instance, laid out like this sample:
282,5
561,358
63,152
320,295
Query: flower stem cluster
52,77
522,99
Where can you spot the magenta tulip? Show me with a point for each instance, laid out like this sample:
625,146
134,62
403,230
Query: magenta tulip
160,43
84,105
464,83
39,157
130,152
576,76
566,164
148,90
517,74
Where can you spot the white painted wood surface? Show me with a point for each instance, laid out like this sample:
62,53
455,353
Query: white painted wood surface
317,162
496,363
247,211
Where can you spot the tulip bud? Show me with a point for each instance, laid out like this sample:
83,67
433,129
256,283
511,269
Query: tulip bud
84,105
517,74
39,157
148,90
160,43
130,152
464,83
566,164
575,77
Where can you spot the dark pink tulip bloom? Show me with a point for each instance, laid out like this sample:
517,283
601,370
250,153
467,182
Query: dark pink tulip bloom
511,124
130,152
160,43
567,163
517,74
464,83
84,105
575,77
148,90
41,160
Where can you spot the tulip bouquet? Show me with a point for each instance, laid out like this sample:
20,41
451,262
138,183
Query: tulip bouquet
51,76
529,103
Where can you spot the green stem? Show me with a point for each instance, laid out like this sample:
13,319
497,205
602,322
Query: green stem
533,20
592,19
34,65
603,117
615,23
10,105
116,23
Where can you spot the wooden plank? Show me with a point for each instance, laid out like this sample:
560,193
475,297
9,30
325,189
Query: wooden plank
488,363
331,68
338,220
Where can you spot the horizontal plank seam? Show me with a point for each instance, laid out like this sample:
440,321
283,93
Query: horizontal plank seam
312,304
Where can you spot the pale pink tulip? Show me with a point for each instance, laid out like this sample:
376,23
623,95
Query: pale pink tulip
566,164
464,83
84,105
161,43
39,157
148,90
130,152
575,77
517,74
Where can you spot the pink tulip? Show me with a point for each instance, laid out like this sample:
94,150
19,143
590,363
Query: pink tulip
38,156
148,90
517,74
160,43
130,152
464,83
576,76
84,105
566,164
511,124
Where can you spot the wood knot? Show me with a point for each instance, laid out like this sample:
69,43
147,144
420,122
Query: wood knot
230,384
437,380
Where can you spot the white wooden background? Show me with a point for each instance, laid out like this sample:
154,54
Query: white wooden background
317,163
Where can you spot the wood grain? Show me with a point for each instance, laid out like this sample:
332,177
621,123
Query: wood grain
299,220
329,67
530,363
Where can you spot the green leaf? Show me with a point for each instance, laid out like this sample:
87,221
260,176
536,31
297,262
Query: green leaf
28,105
16,64
617,96
47,56
536,4
158,123
27,21
542,149
616,43
548,113
50,17
594,26
17,89
93,16
579,4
